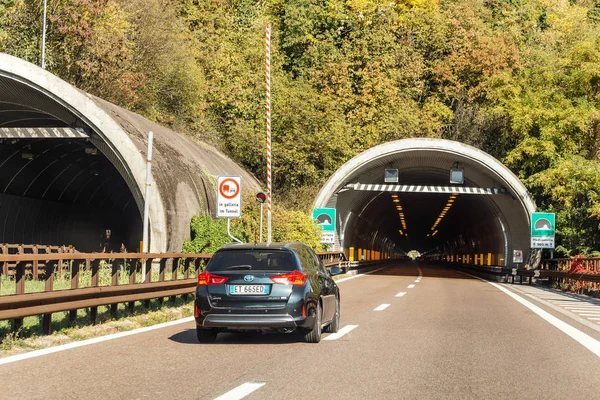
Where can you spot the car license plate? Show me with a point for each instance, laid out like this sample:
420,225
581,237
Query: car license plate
248,289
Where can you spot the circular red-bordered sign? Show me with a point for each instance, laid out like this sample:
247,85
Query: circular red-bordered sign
224,186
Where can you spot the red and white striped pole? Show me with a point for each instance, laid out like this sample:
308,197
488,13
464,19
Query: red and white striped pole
268,71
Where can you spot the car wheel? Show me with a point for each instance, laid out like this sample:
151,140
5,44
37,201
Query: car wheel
335,324
314,336
206,335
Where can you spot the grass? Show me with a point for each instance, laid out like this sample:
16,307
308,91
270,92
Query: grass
63,282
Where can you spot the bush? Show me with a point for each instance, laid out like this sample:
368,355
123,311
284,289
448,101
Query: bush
209,234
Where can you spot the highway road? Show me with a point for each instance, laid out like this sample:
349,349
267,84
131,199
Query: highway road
412,331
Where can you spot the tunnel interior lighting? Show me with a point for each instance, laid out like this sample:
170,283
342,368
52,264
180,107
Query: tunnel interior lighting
396,201
443,213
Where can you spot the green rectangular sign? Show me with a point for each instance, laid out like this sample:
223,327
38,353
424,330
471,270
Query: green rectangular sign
542,224
542,230
325,218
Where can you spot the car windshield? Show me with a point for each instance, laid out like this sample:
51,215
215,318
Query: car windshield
262,260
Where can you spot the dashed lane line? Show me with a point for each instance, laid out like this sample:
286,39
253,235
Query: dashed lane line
381,307
241,391
400,294
345,330
411,286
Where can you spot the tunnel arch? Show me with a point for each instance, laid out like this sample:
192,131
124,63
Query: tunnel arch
72,164
487,225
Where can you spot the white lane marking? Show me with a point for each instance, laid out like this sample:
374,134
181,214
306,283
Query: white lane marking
411,286
585,340
241,391
587,311
341,332
358,275
590,315
417,280
382,307
400,294
594,319
100,339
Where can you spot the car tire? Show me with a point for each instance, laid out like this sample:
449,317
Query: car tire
206,335
314,336
334,326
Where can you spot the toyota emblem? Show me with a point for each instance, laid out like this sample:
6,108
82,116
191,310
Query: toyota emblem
248,278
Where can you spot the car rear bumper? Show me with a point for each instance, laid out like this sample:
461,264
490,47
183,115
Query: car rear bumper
249,321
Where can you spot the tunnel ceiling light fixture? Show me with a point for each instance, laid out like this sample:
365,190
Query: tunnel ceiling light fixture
396,201
443,213
390,175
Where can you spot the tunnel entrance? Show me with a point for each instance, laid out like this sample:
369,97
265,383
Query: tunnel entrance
481,220
59,183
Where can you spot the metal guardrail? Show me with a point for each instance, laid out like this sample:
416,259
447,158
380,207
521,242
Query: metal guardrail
514,273
47,266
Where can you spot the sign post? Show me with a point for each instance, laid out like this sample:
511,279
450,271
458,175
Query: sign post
542,230
229,200
326,218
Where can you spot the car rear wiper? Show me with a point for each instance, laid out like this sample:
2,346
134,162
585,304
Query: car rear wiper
240,267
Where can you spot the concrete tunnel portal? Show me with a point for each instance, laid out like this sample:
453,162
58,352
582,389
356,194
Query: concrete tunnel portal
479,221
73,166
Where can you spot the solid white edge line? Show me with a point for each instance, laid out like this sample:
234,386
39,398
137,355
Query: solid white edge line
358,275
241,391
585,340
341,332
400,294
381,307
411,286
50,350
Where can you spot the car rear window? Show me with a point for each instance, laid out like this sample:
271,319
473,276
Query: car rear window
261,260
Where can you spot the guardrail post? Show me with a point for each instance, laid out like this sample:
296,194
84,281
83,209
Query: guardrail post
133,264
174,271
74,284
49,286
95,282
115,282
161,275
148,277
19,289
35,264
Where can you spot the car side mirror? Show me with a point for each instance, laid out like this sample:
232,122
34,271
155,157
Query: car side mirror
335,271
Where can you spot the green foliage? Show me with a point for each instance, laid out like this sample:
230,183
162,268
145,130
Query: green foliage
209,234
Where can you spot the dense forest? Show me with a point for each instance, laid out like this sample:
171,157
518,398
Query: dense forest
519,79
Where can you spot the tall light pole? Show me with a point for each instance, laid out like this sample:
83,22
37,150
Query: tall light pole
44,38
145,241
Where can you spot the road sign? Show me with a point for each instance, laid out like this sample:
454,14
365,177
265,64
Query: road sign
517,256
542,230
325,218
229,199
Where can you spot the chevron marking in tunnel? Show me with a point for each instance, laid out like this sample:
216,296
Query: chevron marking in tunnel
424,189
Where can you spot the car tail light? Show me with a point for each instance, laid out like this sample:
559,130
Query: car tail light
206,278
293,278
197,312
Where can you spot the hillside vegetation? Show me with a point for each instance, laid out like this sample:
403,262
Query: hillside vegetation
519,79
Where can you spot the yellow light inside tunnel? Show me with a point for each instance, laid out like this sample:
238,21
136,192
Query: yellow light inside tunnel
434,233
428,235
396,201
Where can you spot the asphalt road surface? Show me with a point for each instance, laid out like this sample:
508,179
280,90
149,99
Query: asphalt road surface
449,336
